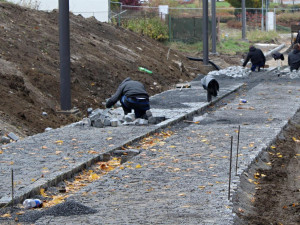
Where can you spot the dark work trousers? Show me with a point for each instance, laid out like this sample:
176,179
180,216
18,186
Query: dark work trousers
139,105
253,67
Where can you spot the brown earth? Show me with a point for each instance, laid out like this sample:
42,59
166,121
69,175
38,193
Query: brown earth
102,56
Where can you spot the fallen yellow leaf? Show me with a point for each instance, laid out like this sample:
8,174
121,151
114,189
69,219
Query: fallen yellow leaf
172,146
42,191
109,138
60,142
138,166
94,176
5,215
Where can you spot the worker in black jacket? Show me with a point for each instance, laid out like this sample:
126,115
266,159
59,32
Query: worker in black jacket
132,95
294,57
257,58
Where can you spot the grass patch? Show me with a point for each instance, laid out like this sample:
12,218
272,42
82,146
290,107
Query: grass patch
184,47
232,46
223,4
263,37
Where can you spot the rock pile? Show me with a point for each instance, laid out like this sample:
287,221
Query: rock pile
106,117
232,71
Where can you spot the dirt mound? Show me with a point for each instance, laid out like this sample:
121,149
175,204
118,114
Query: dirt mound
102,56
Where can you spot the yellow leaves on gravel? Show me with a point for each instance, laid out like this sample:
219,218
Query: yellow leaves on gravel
55,200
138,166
42,192
59,142
94,176
6,215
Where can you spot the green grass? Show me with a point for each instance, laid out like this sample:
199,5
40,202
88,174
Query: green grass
262,37
223,4
230,44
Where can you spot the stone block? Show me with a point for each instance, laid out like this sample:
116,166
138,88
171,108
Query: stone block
106,122
86,122
98,123
5,140
48,129
12,136
128,118
114,122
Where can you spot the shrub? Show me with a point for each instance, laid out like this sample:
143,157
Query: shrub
234,24
151,27
288,18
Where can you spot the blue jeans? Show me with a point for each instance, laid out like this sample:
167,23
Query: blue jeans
140,106
253,67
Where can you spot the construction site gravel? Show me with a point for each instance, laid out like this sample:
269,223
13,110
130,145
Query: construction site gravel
180,171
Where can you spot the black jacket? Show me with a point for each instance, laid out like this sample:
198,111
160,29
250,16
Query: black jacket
294,59
256,56
129,88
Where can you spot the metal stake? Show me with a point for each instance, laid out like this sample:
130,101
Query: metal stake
230,168
237,151
12,188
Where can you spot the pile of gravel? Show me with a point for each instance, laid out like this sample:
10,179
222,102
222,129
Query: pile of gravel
232,71
67,208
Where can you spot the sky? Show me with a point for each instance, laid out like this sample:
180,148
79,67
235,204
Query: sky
97,8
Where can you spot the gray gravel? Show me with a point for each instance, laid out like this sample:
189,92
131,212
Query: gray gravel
183,181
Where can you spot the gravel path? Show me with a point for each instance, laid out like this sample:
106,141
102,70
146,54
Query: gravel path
184,178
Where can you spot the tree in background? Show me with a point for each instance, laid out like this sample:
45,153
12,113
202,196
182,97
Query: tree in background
130,2
249,3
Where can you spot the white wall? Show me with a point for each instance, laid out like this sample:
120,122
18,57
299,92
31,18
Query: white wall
87,8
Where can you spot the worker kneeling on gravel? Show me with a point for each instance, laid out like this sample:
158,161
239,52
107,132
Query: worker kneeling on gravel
132,95
257,58
294,57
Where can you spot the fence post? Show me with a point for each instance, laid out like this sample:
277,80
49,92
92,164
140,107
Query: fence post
275,19
243,20
213,26
205,32
262,15
170,28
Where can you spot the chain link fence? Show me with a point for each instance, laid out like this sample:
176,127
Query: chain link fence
185,24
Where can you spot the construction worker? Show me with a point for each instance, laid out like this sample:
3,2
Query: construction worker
257,58
132,95
294,57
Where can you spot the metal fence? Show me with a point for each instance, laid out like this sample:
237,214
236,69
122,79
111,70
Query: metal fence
185,23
